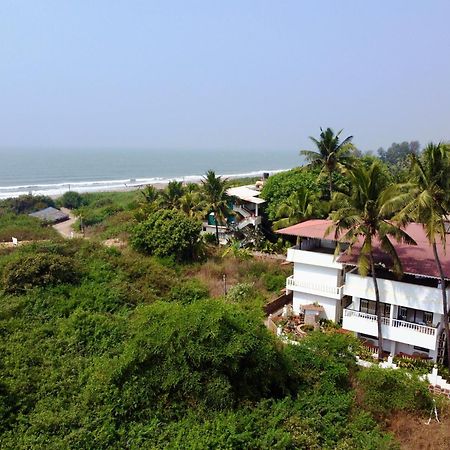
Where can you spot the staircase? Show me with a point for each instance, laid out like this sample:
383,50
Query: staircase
242,211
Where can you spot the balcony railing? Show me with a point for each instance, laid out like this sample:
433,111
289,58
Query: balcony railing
308,285
431,331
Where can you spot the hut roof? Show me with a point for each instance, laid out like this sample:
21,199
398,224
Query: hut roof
50,215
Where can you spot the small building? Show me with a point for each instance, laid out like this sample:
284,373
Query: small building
50,215
245,205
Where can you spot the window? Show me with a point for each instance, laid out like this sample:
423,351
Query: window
402,313
366,306
428,318
370,307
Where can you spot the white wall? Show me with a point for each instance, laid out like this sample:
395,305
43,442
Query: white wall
395,292
312,258
331,306
326,275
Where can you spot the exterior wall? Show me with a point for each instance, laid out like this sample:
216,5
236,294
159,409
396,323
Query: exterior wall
312,258
325,275
331,306
317,279
392,329
395,292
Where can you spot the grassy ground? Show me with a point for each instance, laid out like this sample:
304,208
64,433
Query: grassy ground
24,228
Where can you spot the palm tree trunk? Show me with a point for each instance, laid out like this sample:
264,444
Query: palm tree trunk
377,305
217,228
444,300
330,183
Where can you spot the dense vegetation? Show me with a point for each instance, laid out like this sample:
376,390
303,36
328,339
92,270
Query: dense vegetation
161,344
117,357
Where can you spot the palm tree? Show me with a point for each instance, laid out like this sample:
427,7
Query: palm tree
216,198
170,196
193,204
331,154
361,223
426,200
149,195
299,206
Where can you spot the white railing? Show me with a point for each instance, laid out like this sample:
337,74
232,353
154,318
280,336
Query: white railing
242,210
301,283
431,331
249,221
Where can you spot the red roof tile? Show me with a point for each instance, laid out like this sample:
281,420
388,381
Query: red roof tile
416,259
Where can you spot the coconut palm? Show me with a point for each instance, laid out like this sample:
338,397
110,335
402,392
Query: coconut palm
331,154
425,199
216,198
149,195
171,195
299,206
193,204
361,223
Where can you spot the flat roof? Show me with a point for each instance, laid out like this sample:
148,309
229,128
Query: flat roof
246,193
416,259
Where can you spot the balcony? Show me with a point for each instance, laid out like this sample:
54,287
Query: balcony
393,329
410,295
315,257
313,287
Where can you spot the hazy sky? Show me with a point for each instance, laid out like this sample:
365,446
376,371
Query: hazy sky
222,74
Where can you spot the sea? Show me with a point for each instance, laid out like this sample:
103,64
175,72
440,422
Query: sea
55,171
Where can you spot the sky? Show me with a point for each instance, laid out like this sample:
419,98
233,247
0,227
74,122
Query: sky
222,74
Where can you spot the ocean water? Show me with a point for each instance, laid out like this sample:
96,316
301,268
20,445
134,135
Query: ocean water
53,171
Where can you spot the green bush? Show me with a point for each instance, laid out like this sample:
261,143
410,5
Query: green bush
26,204
168,233
72,200
38,270
209,238
274,282
189,291
206,353
281,185
241,292
389,390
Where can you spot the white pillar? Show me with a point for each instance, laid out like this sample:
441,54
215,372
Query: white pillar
393,347
256,209
392,313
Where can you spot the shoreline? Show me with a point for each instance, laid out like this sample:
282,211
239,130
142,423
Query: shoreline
56,190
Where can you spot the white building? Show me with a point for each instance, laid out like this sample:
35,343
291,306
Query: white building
245,205
411,307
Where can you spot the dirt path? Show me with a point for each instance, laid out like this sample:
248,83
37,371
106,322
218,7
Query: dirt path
65,228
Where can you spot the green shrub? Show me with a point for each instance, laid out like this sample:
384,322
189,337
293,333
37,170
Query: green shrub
389,390
38,270
209,238
72,200
168,233
281,185
241,292
26,204
189,291
274,282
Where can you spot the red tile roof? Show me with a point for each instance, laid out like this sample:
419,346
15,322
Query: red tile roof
416,259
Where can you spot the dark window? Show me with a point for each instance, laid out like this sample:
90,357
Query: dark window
366,306
421,349
428,318
402,313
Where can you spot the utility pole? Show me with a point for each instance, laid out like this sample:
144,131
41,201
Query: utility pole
224,279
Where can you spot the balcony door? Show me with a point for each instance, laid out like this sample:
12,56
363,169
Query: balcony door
370,307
